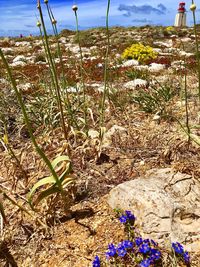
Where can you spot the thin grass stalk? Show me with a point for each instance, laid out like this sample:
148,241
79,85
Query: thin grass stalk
19,98
47,56
186,105
65,130
105,91
197,47
81,72
55,30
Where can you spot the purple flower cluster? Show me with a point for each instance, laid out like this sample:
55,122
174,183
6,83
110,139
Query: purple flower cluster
96,262
147,247
120,250
127,217
179,250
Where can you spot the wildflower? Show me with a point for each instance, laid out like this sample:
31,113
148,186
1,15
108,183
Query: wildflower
127,244
121,251
96,262
155,254
145,263
74,8
178,248
129,215
123,219
111,251
186,257
144,248
138,241
54,21
38,23
46,1
193,7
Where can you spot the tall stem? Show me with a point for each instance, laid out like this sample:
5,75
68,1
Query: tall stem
81,72
65,130
102,106
197,49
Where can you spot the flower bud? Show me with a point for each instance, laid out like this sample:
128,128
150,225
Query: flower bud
193,7
74,8
54,21
38,23
46,1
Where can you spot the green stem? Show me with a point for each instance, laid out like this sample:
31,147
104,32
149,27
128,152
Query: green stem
65,130
197,49
102,106
81,72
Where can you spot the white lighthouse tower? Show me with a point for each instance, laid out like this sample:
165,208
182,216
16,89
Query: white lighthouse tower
180,19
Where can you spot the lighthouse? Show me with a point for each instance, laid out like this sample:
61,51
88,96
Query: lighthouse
180,19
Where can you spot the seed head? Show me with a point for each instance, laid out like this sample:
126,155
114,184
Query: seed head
193,7
74,8
54,21
38,23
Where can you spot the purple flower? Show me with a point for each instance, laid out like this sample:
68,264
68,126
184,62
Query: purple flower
138,241
155,254
145,263
121,251
111,251
186,257
123,219
144,248
127,244
96,262
178,248
129,215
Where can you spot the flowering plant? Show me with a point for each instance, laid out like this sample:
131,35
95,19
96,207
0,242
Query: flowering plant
136,251
139,52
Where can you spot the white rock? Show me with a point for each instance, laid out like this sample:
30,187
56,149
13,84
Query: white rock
129,63
7,50
166,205
135,83
185,54
18,63
24,43
20,58
155,67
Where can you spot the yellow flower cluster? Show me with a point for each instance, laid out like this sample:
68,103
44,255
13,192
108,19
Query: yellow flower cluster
139,52
170,28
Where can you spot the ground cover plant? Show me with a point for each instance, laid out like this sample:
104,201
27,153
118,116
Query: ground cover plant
84,111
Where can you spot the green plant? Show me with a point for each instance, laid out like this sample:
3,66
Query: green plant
84,38
139,52
40,57
137,74
154,99
57,180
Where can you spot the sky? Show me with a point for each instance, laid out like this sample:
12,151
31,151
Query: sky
20,16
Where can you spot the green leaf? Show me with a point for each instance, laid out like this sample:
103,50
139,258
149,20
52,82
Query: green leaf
46,193
60,159
46,180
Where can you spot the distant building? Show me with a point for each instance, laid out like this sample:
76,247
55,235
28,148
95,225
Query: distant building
180,19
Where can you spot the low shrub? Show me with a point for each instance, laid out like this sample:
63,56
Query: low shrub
139,52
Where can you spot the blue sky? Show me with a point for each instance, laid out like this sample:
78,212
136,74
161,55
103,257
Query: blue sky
20,16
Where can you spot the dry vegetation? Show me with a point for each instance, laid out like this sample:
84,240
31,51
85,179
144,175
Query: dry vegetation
152,134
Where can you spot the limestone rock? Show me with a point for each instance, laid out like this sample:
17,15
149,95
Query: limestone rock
166,204
135,83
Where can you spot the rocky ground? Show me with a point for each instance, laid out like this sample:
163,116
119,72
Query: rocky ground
140,137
